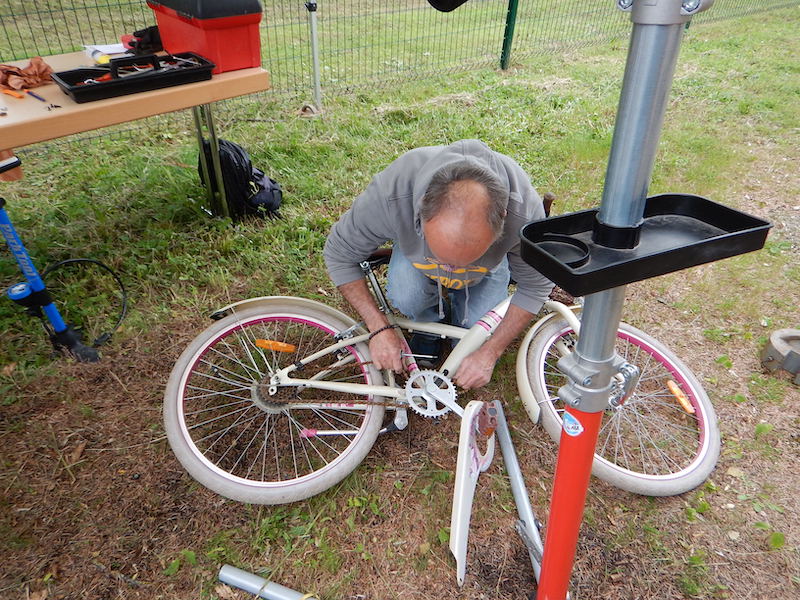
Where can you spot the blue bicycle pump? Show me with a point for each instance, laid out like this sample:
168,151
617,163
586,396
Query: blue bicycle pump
33,295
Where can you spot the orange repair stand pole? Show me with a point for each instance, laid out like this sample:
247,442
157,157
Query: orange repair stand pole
573,468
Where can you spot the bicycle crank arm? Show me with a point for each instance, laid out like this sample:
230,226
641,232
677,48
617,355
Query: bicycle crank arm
478,420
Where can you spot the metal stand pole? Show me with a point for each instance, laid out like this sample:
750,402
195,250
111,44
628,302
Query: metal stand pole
258,586
312,17
657,30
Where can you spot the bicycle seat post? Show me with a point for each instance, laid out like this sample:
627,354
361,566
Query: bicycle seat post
377,290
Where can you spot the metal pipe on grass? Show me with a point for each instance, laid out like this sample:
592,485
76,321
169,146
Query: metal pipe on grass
258,586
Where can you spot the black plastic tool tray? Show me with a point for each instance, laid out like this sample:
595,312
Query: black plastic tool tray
678,231
72,82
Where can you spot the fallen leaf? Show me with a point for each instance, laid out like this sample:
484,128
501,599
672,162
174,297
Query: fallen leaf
177,163
76,454
54,570
9,369
322,291
225,593
735,472
40,595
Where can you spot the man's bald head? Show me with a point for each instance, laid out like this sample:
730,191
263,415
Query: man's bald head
463,212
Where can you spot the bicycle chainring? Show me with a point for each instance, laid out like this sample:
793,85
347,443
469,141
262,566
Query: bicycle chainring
430,394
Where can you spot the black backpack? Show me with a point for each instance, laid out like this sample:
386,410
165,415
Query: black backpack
248,190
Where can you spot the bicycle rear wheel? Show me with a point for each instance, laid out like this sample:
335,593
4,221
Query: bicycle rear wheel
235,438
663,441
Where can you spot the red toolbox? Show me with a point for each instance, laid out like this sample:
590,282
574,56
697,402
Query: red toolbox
223,31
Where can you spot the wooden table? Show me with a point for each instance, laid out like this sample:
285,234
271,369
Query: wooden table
29,121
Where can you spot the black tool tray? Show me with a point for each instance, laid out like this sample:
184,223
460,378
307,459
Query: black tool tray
678,231
161,71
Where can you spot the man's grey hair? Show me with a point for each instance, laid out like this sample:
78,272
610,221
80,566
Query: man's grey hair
438,195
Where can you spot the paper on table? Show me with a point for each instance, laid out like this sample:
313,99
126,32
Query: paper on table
106,48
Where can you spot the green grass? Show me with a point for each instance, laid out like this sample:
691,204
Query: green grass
135,204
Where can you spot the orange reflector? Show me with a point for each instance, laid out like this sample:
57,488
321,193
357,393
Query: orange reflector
680,396
276,345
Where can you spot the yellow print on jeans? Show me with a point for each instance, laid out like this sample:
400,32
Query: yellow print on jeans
455,278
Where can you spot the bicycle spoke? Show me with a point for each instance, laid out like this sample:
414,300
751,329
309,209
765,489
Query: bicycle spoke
204,423
218,367
300,427
233,444
214,408
232,357
215,393
281,439
324,417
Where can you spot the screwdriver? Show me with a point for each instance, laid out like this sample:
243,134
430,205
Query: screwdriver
37,96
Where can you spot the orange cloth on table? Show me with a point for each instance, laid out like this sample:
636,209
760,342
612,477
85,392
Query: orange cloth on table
35,74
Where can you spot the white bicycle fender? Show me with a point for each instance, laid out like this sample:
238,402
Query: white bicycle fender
525,392
479,419
266,301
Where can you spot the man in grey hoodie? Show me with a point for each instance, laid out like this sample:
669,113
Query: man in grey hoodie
453,214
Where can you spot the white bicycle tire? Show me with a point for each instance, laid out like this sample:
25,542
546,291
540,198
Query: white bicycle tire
251,489
693,471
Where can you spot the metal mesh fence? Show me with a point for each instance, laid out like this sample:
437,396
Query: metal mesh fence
361,42
56,26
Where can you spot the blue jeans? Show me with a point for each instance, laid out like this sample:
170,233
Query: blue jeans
417,296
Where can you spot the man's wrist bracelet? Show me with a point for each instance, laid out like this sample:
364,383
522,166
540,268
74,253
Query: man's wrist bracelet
384,328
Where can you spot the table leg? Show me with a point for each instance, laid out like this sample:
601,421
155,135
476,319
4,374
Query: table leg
216,194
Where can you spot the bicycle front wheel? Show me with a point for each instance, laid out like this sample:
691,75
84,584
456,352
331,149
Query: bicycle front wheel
663,441
246,444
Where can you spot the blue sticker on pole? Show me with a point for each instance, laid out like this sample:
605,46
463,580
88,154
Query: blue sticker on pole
572,426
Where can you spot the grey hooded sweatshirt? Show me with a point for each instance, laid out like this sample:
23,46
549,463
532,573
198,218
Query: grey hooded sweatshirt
389,210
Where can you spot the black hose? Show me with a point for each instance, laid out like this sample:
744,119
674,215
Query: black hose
102,339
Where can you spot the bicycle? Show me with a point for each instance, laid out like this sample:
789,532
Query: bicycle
278,401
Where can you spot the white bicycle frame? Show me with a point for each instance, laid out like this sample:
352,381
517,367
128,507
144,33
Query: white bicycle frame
469,340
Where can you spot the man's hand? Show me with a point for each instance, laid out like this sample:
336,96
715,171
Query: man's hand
386,349
476,369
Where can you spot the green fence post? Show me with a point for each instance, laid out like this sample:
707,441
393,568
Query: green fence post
508,36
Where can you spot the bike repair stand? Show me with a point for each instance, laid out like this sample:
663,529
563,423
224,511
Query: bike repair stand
630,238
33,295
